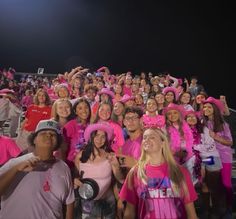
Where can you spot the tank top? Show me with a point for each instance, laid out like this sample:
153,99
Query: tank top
100,172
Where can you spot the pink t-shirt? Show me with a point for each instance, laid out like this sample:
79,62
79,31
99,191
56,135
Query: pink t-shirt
118,140
8,149
157,199
132,148
27,100
226,152
127,90
73,132
40,193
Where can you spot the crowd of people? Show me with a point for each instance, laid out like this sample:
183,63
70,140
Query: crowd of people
100,145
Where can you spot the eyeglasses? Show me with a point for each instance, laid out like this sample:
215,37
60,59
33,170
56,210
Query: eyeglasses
131,118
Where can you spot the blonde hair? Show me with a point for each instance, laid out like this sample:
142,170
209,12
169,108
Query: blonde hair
175,174
54,113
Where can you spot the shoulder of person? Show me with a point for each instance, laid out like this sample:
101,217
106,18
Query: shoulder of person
14,161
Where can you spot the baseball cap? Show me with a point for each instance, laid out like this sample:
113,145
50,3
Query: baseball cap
48,125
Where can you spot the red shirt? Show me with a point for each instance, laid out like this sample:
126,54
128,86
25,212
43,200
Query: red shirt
34,114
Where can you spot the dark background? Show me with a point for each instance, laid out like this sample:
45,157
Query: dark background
182,37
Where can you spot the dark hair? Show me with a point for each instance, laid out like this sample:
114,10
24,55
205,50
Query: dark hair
195,105
109,99
82,100
218,120
174,100
180,96
114,117
199,125
151,95
193,77
100,105
33,135
89,148
134,109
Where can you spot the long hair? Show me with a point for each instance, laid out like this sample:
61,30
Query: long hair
114,117
109,100
195,105
180,123
82,100
90,148
218,120
175,174
181,95
47,101
97,118
54,113
199,125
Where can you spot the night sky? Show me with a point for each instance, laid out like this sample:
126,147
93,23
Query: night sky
182,37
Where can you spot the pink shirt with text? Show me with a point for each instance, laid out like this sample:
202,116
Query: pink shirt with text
157,199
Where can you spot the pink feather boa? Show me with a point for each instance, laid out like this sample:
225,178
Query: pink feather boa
175,139
157,121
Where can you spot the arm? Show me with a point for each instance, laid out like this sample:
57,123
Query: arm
77,182
226,108
23,124
73,71
80,73
220,139
175,80
115,167
127,161
129,211
190,210
7,177
187,84
70,211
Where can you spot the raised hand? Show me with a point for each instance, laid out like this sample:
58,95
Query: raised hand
28,165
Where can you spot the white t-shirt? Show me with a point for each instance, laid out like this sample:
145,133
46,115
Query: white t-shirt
207,146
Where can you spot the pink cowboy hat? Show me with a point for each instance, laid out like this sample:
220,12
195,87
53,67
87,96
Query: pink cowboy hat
171,89
126,98
98,126
6,90
106,91
176,107
217,102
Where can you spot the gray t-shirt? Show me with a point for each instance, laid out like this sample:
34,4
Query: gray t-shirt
37,194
